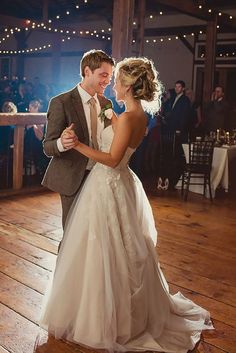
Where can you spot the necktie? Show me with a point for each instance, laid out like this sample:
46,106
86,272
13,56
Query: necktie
93,119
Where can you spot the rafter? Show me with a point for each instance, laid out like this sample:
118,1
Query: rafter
187,44
173,31
189,8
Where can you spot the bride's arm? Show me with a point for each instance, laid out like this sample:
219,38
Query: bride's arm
119,145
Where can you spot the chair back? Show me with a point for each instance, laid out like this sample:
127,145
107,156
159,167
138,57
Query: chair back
168,142
201,154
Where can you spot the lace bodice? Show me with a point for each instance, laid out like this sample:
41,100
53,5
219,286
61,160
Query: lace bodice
106,141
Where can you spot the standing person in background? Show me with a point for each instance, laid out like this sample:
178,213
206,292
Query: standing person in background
216,112
179,114
167,102
195,115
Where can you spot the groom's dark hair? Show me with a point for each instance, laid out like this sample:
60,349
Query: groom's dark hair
94,59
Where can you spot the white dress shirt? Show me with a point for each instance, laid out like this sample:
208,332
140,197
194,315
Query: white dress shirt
85,97
176,99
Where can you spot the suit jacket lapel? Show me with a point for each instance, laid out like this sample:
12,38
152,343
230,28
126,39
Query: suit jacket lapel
78,105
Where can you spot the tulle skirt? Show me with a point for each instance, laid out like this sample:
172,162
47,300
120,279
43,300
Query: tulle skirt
108,291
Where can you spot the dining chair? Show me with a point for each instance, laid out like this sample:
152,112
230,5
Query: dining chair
198,166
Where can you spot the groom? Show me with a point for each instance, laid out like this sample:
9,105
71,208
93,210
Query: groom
79,109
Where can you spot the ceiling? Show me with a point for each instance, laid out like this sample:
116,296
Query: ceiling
90,10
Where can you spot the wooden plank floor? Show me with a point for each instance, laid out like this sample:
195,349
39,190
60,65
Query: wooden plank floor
197,242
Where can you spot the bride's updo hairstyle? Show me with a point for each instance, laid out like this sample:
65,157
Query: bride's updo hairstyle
141,75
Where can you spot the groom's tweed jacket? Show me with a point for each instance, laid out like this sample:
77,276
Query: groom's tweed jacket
66,169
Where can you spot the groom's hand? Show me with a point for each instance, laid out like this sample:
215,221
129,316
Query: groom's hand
69,138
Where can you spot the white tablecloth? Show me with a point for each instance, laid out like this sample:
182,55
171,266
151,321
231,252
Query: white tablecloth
219,172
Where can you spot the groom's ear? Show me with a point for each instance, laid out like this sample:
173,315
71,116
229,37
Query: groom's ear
87,71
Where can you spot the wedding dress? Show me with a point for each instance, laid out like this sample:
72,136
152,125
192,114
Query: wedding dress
108,290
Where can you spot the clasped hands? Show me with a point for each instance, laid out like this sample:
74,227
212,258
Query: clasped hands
69,138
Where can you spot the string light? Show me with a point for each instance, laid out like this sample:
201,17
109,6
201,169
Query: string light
28,50
90,33
84,33
34,25
70,32
8,35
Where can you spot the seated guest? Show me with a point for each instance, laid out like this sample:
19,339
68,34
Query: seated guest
6,132
6,144
9,107
6,93
22,98
35,160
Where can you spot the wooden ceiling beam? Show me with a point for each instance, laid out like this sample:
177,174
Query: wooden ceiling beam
190,8
173,31
187,44
187,7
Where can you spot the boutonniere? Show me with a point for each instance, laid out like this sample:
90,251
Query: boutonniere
106,112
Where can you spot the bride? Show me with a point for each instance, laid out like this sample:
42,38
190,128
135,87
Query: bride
108,291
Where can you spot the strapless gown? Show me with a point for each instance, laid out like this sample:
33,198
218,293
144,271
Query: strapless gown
108,291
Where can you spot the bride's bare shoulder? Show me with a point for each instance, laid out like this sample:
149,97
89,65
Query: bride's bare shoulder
127,116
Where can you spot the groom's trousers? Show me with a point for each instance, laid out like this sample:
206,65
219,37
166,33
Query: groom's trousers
67,201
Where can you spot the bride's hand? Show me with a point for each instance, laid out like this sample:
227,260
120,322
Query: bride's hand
69,138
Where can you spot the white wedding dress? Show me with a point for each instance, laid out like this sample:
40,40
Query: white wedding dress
108,290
